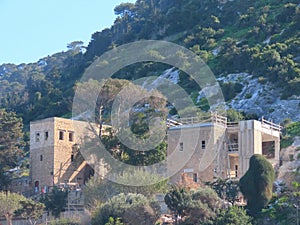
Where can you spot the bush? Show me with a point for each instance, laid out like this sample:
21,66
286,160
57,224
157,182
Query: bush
64,222
233,215
130,209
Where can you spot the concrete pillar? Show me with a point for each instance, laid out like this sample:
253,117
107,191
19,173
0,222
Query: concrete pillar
277,149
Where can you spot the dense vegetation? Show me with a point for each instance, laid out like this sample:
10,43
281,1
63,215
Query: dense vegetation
259,37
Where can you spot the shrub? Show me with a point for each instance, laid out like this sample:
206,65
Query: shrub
64,221
130,209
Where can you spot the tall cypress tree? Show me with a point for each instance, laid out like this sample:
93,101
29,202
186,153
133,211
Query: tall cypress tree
257,183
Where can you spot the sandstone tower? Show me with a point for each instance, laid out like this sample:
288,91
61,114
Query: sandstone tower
54,146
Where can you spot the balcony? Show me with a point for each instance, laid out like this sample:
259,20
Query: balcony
233,148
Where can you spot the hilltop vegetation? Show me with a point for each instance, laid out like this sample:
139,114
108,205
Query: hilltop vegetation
259,37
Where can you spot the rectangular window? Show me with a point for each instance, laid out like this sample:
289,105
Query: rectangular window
41,157
46,135
37,136
71,136
181,146
61,135
72,158
195,177
203,144
236,170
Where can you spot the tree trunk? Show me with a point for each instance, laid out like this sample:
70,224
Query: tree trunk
100,121
8,219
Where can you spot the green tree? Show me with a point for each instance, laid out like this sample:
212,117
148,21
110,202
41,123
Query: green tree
65,221
204,206
233,215
130,209
11,143
113,221
177,199
226,189
55,201
101,190
234,116
196,206
9,204
108,90
283,207
257,183
31,210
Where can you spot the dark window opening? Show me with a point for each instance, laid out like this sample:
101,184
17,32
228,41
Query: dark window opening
195,177
37,136
236,170
181,146
203,144
46,135
72,158
268,149
61,135
71,136
41,157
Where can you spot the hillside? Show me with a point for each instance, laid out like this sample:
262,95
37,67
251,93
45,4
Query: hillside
259,38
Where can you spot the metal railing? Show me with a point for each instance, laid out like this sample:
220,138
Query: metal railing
233,147
212,118
270,125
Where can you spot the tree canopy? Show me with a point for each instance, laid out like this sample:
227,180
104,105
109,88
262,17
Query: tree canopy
9,204
11,143
129,208
257,183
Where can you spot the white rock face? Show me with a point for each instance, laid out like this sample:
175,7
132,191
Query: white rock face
171,75
262,99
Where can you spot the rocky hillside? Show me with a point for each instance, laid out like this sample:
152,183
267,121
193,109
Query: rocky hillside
252,47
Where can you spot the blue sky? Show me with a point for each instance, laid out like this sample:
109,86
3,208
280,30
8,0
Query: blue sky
33,29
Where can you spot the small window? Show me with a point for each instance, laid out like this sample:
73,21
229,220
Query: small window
203,144
41,157
61,135
46,135
181,146
51,173
195,177
236,170
72,158
71,136
37,136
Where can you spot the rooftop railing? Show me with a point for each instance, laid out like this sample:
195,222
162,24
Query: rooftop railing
270,125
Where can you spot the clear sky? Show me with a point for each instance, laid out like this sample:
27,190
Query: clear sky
33,29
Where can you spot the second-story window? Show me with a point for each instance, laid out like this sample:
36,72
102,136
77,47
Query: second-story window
61,135
203,144
37,136
181,146
46,135
71,136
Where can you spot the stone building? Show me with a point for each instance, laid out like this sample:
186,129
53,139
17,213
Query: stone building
55,158
214,148
203,150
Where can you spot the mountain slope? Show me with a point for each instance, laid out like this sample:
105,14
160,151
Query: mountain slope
260,38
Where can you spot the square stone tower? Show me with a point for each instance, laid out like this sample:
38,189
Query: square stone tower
54,145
